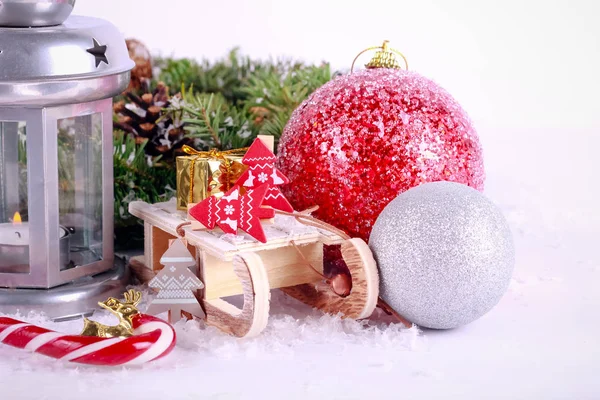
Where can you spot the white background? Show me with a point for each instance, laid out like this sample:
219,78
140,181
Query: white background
526,71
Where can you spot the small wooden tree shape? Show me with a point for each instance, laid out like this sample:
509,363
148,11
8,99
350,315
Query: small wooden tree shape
261,170
176,284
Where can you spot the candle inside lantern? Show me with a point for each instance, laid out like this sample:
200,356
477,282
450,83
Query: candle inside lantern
20,232
14,245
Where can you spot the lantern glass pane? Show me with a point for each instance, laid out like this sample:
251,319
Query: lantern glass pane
14,227
80,186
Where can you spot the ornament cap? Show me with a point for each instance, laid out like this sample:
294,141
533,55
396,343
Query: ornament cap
385,57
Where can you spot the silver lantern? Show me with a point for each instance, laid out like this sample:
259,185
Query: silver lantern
58,74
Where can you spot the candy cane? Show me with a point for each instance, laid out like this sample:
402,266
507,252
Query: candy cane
153,338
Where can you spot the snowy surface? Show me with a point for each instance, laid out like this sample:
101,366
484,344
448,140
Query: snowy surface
541,342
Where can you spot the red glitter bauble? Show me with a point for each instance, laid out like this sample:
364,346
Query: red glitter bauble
365,137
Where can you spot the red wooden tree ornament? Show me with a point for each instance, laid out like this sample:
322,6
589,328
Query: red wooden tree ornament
261,170
232,212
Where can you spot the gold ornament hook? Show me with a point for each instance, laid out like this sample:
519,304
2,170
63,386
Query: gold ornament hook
384,58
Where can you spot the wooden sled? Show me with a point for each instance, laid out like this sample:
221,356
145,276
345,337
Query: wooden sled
231,265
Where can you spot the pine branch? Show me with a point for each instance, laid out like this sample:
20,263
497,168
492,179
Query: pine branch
251,95
209,124
278,94
137,177
215,122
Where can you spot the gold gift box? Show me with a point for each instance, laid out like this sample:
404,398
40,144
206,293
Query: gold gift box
202,174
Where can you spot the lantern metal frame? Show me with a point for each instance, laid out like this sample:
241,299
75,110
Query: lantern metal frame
43,192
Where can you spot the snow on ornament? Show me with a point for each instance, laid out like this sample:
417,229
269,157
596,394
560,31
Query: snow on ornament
365,137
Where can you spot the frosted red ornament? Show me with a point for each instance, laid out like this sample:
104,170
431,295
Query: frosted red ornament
365,137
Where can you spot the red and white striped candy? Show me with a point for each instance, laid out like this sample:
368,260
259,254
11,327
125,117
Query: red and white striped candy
153,338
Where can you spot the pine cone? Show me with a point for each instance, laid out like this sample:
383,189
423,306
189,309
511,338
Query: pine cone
259,113
140,54
140,118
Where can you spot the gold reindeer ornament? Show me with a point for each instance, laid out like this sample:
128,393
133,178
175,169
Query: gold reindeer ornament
125,311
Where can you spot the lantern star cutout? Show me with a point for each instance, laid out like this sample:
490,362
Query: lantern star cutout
261,170
99,52
232,212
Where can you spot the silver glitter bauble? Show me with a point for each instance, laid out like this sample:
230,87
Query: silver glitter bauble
445,254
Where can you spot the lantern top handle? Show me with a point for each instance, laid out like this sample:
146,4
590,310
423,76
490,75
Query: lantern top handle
34,13
385,57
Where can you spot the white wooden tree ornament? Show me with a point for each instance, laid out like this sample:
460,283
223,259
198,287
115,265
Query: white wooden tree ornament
176,284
